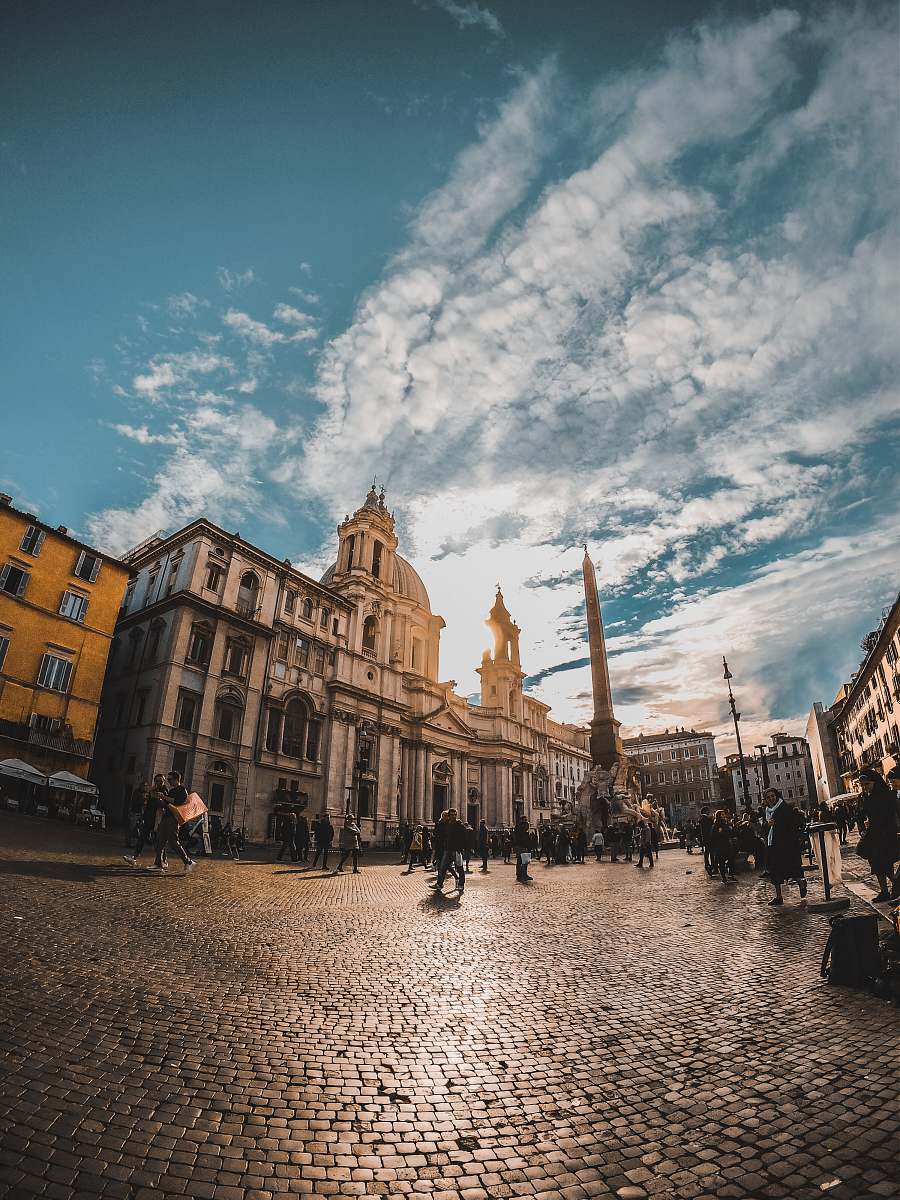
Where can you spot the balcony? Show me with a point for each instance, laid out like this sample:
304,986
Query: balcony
369,653
247,608
61,741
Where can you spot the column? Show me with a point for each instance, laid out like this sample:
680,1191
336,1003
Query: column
427,795
403,814
419,784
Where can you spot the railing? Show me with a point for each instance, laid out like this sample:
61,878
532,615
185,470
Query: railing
368,653
62,741
247,608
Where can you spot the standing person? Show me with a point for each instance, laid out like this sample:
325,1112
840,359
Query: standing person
415,849
154,807
470,845
507,845
439,838
785,857
724,843
167,833
405,834
644,843
521,841
484,845
324,835
839,816
288,836
878,842
350,838
703,831
302,838
597,843
580,844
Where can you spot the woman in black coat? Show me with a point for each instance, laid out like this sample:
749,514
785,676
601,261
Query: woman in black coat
785,855
879,840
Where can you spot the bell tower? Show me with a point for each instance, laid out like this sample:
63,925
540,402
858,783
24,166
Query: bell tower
367,542
501,670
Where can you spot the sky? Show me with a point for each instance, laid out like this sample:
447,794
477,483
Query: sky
581,272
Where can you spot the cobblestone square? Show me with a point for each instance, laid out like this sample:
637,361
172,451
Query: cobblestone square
254,1030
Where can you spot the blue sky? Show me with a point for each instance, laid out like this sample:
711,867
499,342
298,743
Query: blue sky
555,273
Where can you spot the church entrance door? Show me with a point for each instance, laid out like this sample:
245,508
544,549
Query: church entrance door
440,799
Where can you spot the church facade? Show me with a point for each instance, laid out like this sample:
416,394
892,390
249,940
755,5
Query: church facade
263,686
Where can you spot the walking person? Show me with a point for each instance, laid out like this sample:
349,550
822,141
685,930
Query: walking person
723,840
302,838
454,844
703,830
644,843
597,843
324,836
878,842
350,838
154,807
167,833
288,832
484,845
579,845
785,846
521,841
415,849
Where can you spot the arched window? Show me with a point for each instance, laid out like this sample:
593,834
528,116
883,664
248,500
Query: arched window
248,594
351,549
228,716
308,609
417,654
293,729
370,632
377,550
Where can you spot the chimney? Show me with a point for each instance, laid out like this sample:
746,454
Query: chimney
62,529
5,500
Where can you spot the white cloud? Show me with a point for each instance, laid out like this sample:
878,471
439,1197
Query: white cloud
185,305
234,281
262,335
466,14
144,437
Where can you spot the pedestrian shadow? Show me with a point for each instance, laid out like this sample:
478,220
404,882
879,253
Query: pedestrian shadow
439,902
44,869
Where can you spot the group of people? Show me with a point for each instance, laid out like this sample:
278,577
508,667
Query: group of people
451,845
159,825
297,837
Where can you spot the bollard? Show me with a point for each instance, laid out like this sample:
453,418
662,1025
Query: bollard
829,904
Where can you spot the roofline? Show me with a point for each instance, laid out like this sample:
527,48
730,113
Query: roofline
877,651
66,537
284,566
643,739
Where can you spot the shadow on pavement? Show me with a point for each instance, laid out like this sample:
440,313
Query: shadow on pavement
44,869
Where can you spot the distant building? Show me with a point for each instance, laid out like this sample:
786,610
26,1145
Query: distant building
823,749
678,769
785,764
866,723
59,599
570,761
264,686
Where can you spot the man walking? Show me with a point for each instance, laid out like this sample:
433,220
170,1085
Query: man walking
597,843
288,836
154,809
324,835
350,842
302,838
705,828
645,842
484,845
454,842
167,834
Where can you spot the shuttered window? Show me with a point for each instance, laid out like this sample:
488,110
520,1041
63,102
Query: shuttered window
55,673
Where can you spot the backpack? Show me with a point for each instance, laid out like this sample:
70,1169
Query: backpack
852,956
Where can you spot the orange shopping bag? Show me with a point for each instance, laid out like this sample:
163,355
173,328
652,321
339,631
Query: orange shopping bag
192,808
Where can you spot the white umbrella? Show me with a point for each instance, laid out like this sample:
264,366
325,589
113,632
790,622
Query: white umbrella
72,783
21,770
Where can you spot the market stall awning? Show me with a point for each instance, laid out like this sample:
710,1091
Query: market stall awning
21,770
72,783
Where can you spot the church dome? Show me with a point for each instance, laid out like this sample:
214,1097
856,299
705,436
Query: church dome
406,582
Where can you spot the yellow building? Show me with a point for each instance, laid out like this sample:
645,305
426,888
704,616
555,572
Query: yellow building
59,600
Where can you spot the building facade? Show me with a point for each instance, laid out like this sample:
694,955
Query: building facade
678,770
262,685
867,724
785,764
570,762
59,600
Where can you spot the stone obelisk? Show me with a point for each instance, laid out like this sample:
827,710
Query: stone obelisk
606,745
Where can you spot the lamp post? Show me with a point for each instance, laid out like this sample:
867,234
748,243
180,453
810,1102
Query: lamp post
736,716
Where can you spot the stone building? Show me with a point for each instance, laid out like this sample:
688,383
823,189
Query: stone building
59,599
678,769
823,749
867,723
261,685
785,764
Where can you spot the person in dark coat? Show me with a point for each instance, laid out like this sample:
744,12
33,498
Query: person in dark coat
323,832
302,841
288,836
521,840
879,838
484,845
785,853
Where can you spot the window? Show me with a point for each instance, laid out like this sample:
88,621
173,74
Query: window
417,654
351,547
228,720
687,753
32,541
4,646
370,629
312,741
129,594
323,619
282,646
140,705
179,763
376,559
661,777
74,606
213,577
273,730
307,609
301,652
236,657
186,712
676,776
294,723
290,601
199,645
173,577
156,631
659,758
55,673
320,660
689,774
13,580
217,797
674,754
248,595
88,566
335,626
44,724
701,750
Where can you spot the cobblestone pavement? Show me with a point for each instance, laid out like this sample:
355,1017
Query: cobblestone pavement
254,1031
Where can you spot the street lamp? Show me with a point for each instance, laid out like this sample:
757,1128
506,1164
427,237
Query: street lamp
736,716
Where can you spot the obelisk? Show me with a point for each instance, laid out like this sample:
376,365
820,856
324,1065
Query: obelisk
606,745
